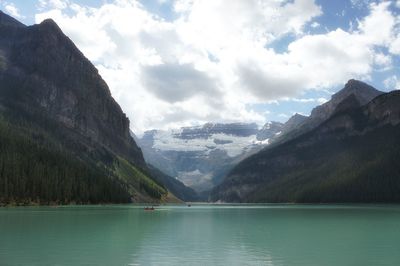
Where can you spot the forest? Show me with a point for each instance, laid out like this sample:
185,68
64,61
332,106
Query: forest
37,168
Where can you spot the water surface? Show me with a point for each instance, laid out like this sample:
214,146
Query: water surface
201,235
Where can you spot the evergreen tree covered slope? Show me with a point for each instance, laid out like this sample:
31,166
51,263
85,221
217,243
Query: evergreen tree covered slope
351,157
63,138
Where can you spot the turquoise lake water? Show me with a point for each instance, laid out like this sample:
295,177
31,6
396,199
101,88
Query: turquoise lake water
201,235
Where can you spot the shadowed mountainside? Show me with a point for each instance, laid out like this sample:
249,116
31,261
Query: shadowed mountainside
63,137
350,157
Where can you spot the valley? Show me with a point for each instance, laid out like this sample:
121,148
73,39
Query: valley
64,139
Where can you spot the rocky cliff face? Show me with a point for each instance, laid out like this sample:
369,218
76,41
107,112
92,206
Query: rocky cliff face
55,103
362,93
45,71
347,158
6,20
295,121
354,94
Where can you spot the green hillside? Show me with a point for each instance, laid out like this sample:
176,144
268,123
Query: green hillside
37,167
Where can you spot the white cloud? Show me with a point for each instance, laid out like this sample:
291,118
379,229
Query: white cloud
359,3
315,24
322,100
12,10
392,83
306,100
224,25
383,60
395,46
285,116
214,59
377,28
57,4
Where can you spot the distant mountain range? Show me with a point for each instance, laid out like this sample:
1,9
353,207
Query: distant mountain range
346,151
215,156
63,138
201,156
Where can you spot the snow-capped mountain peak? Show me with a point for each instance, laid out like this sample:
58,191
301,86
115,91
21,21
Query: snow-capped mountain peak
200,155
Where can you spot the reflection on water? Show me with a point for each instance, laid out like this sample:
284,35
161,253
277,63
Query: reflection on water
201,235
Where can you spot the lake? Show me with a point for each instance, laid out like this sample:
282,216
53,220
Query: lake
201,235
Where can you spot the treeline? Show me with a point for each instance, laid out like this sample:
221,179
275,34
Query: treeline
138,179
361,168
31,172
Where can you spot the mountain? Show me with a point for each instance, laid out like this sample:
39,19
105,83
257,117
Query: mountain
349,157
362,93
6,20
269,131
62,135
200,156
295,121
176,187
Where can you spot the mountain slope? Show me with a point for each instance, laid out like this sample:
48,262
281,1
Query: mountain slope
293,122
175,186
53,100
351,157
297,125
361,91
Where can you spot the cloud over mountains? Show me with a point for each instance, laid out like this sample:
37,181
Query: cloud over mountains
210,60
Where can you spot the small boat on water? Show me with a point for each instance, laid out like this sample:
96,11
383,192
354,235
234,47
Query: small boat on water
149,208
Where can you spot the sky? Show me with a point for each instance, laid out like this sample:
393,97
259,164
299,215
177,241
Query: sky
173,63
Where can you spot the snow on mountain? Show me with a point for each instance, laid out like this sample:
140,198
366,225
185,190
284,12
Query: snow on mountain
199,156
233,145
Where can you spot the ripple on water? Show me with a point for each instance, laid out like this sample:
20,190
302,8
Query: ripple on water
201,235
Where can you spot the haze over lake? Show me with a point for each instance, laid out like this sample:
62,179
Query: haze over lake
201,235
